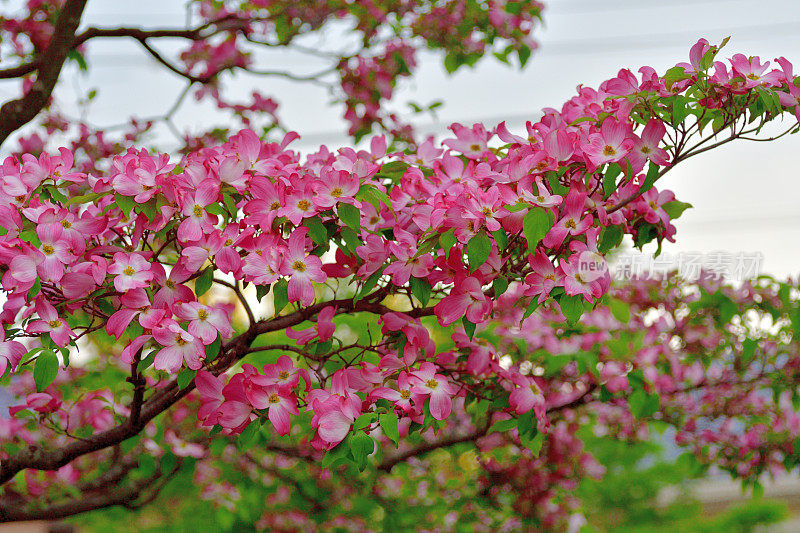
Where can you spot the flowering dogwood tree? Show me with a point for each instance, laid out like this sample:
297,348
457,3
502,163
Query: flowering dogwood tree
314,328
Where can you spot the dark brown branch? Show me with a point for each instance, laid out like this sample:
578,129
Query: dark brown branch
204,31
132,496
40,458
16,113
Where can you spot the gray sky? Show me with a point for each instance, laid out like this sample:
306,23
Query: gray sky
745,195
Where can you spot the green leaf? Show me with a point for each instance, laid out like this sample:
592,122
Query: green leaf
503,426
674,75
500,285
77,57
469,327
421,289
610,179
30,236
535,225
447,240
216,209
500,238
620,310
45,370
212,350
33,291
361,446
642,404
390,426
364,420
204,281
316,230
350,215
185,376
125,203
478,249
610,238
533,306
572,307
675,208
261,291
650,179
376,197
534,443
451,62
247,437
351,240
280,296
524,53
145,363
230,204
370,284
393,170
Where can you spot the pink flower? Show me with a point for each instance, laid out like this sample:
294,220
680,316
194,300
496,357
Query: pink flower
211,398
279,404
51,323
323,329
283,374
610,145
11,353
334,187
206,321
401,396
179,346
132,271
752,70
426,381
301,269
472,142
647,148
333,418
571,223
466,298
543,278
198,221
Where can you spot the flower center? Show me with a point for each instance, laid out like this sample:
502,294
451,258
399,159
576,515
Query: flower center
653,205
405,394
66,224
299,266
570,224
645,149
303,205
273,398
170,284
55,323
179,340
475,147
129,271
752,76
431,383
609,150
197,211
202,314
283,375
336,193
228,242
48,249
275,205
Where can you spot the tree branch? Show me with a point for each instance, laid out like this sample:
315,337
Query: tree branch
16,113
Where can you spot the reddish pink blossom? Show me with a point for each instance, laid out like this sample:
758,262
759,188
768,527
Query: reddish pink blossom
179,346
427,382
131,271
